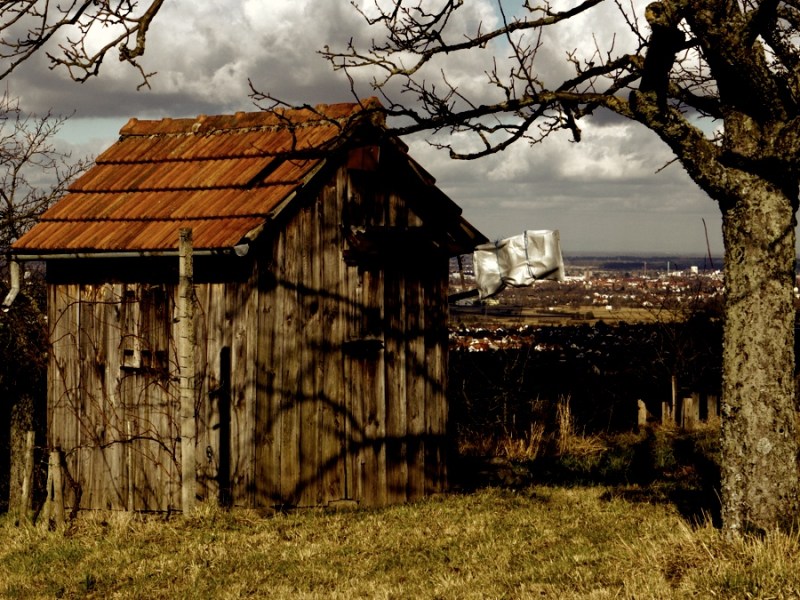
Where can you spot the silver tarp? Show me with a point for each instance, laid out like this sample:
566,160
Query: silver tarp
518,261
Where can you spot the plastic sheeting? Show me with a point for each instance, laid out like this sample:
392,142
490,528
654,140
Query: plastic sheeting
518,261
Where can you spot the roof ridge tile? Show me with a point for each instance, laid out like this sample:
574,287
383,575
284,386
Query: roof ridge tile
264,120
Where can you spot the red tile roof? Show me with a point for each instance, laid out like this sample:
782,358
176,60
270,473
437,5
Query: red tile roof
221,175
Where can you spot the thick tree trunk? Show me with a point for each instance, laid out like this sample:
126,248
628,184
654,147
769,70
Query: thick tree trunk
759,444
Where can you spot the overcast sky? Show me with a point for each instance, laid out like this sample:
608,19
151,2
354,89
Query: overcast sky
608,193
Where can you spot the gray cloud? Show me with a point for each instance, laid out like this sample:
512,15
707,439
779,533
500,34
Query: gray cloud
604,193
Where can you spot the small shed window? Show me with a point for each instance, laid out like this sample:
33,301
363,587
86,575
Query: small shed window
145,327
131,317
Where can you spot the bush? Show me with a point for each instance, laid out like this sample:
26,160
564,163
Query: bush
660,465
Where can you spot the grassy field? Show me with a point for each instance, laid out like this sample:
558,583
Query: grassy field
523,540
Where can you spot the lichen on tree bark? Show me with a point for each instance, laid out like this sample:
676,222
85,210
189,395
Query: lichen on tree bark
759,439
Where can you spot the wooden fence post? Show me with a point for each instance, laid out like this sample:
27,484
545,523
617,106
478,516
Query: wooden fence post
674,406
54,504
26,495
641,415
712,408
689,414
667,418
58,487
186,366
131,487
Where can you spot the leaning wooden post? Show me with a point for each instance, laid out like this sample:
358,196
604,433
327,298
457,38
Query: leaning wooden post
674,407
712,408
696,407
688,417
666,414
186,367
131,487
54,504
58,487
26,496
641,415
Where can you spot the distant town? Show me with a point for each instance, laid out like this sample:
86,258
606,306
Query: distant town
616,330
607,288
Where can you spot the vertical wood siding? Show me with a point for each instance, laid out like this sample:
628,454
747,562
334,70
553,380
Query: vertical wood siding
321,374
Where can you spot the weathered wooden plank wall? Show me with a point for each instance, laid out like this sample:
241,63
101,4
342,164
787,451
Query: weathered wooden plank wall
333,420
214,335
321,373
436,345
267,457
310,325
243,394
64,373
226,333
110,398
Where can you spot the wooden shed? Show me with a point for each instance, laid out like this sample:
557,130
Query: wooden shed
320,254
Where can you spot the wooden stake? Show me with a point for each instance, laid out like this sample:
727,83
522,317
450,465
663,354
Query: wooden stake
666,414
54,505
674,407
712,406
696,407
688,414
186,366
26,496
58,487
641,416
131,487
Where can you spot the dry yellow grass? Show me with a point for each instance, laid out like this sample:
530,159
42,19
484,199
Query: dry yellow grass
542,542
526,447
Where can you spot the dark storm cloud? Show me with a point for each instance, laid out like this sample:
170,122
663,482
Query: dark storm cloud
203,56
603,193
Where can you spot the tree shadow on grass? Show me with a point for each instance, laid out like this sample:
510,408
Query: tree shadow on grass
657,466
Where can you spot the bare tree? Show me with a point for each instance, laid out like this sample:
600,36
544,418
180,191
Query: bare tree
731,64
76,35
33,172
82,31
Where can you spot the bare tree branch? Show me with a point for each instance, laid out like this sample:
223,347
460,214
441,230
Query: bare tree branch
83,31
717,80
33,172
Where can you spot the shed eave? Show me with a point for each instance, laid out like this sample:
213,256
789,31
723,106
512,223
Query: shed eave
26,255
256,232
